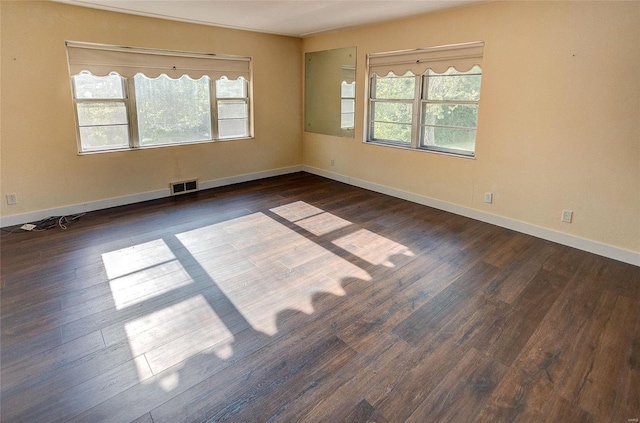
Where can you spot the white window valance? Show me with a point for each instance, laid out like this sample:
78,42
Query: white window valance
462,57
100,60
348,74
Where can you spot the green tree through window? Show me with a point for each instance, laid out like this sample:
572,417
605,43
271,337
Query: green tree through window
114,112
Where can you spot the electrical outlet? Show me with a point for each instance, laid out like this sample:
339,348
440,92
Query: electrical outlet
332,162
12,199
28,227
488,197
567,216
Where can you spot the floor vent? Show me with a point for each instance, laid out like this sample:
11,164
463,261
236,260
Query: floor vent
183,187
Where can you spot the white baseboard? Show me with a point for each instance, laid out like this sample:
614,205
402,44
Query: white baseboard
584,244
215,183
18,219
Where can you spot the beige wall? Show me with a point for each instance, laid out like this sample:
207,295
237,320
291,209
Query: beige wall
39,160
559,119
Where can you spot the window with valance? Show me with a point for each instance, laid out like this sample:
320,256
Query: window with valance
427,98
129,97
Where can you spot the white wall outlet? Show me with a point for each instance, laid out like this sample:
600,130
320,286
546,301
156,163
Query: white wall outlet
567,216
488,197
332,162
12,199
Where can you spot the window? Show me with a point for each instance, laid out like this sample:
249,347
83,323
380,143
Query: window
450,110
232,108
391,108
348,97
347,105
426,99
131,98
172,110
101,108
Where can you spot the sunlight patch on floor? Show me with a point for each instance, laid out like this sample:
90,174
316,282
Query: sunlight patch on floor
290,285
135,288
143,271
169,382
208,283
291,292
372,247
136,258
297,210
308,270
173,334
311,218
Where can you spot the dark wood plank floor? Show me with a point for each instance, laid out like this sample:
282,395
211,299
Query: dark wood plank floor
298,298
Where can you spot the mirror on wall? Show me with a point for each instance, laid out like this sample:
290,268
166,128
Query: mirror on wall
330,92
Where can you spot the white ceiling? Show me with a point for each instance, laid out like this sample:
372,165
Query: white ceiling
297,18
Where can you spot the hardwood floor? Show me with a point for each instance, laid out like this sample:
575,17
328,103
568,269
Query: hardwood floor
298,298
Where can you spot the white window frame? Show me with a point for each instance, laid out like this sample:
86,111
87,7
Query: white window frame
215,116
464,56
414,115
352,99
125,100
424,102
107,59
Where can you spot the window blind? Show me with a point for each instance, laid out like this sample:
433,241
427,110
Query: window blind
460,56
348,74
100,60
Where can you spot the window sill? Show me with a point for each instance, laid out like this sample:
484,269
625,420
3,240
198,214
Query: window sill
149,147
424,150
